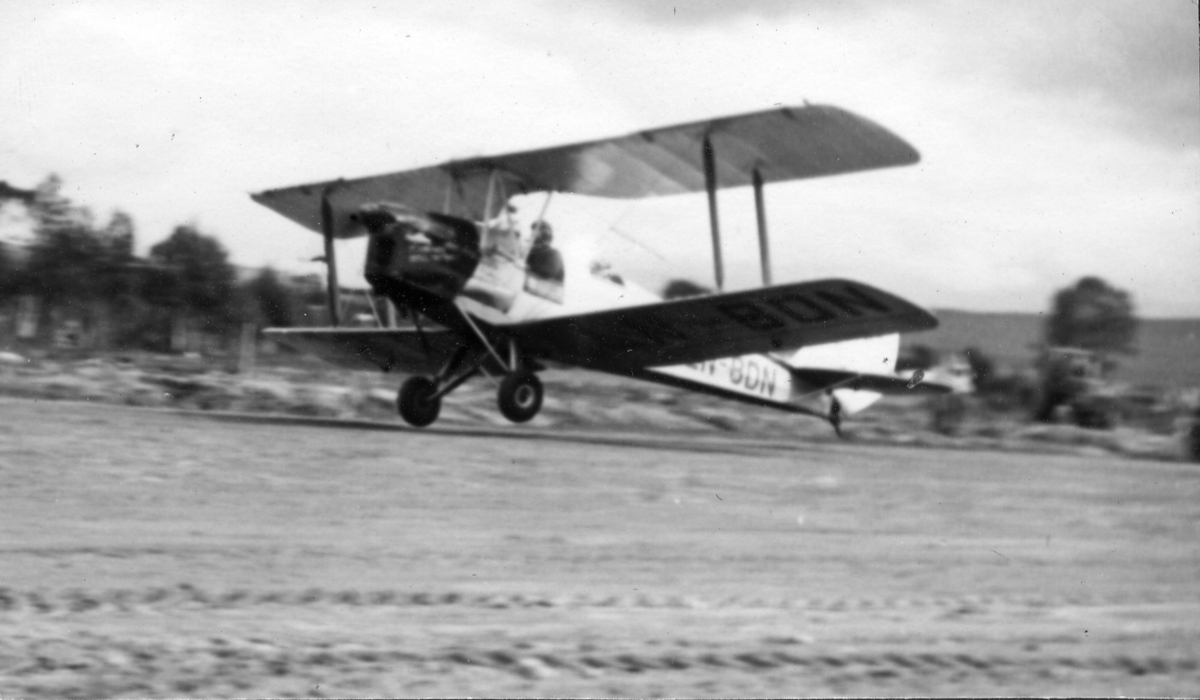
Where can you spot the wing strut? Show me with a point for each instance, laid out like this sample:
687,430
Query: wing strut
710,184
764,250
330,256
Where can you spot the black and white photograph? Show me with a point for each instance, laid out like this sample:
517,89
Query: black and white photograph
618,348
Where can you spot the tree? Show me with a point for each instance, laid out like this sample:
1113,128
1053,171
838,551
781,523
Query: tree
195,277
80,272
916,356
274,301
70,262
117,267
52,211
64,264
7,191
9,269
983,369
1194,437
680,289
1094,316
119,233
8,274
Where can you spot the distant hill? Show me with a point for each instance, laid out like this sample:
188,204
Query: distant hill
1168,349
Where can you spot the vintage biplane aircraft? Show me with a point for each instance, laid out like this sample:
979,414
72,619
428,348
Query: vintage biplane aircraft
485,299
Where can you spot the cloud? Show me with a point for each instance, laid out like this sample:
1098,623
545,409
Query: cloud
685,13
1050,134
1133,66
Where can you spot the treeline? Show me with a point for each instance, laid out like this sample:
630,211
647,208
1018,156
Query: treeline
84,276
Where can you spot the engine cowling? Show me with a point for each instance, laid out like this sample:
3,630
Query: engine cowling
414,255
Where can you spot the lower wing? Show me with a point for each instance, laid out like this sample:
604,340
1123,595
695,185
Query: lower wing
722,325
400,349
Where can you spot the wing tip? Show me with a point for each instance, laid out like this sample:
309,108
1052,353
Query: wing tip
927,321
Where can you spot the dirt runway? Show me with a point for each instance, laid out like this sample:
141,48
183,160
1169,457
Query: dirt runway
151,553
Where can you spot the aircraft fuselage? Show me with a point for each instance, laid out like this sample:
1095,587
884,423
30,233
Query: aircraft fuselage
477,279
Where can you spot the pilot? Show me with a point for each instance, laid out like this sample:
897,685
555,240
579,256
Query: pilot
543,233
544,261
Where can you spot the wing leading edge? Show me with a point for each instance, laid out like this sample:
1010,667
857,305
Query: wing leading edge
789,143
725,325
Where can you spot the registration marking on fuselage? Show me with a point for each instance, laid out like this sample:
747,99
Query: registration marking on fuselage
752,375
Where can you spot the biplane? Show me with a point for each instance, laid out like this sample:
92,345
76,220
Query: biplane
485,297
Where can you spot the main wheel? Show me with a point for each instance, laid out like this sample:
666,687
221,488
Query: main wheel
520,396
415,404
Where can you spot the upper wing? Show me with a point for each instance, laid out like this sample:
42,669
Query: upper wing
388,349
782,144
820,379
724,325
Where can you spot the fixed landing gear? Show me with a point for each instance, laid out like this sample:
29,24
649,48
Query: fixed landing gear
418,402
420,398
520,396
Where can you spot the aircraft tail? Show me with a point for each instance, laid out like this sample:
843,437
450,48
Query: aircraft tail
844,369
855,373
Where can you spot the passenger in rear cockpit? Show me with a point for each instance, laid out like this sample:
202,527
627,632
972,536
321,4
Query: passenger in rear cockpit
544,260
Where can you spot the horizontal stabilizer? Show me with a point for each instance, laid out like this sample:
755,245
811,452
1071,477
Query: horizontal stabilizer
821,379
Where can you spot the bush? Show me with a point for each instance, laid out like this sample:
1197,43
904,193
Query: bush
917,356
1093,315
948,413
983,369
1194,437
1011,392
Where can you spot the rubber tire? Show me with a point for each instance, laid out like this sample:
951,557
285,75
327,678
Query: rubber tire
520,396
413,404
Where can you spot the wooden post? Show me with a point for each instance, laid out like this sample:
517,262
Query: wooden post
246,351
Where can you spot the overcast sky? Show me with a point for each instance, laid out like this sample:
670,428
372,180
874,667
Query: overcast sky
1058,139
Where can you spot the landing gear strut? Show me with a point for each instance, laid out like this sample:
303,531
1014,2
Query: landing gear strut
520,396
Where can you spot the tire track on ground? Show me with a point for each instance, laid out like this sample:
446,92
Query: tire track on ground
29,659
186,596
